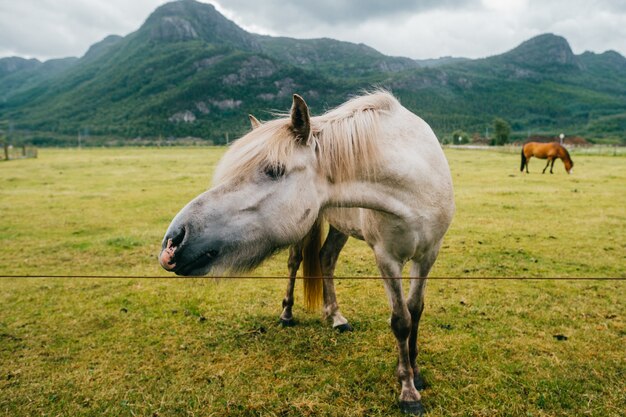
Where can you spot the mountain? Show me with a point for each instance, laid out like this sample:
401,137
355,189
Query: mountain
16,64
188,20
544,51
17,74
335,58
437,62
189,71
100,48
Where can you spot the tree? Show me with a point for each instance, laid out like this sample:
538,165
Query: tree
502,131
459,137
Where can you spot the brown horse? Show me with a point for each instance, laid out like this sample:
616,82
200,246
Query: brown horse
550,151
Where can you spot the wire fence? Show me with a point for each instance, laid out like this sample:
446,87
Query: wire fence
10,152
252,277
598,150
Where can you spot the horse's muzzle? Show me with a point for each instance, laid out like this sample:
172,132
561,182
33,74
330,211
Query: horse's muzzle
166,259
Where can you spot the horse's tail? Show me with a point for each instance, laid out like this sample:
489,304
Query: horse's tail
523,160
311,267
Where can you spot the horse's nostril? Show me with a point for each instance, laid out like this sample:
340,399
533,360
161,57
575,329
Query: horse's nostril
166,258
212,253
178,238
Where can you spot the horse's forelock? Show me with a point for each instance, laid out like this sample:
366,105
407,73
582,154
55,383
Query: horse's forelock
270,144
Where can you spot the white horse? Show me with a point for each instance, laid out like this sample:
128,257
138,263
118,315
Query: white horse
370,168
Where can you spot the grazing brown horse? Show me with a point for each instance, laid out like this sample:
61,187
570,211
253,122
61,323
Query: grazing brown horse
550,151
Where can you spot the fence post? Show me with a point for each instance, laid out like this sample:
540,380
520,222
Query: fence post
6,151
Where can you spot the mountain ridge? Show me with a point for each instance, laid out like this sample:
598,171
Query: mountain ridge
188,59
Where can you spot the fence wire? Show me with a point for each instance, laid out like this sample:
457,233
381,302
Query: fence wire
251,277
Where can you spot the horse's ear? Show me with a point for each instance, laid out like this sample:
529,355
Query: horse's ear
254,121
300,119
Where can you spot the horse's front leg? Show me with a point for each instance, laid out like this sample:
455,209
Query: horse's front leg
546,167
295,258
391,270
416,307
329,253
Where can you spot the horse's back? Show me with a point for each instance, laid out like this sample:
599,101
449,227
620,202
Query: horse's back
541,150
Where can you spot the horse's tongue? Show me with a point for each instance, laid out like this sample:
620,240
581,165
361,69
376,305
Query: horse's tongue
165,259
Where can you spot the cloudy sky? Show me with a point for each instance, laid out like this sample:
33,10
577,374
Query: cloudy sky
415,28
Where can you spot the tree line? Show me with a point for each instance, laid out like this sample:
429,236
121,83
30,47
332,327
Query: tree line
500,136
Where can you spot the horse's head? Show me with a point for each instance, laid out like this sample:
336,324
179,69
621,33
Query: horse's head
568,163
265,198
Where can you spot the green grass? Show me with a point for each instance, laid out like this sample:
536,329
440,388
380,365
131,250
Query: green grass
194,347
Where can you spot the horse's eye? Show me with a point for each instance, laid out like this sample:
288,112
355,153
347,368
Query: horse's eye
275,171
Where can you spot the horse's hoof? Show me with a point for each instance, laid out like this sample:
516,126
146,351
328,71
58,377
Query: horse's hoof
414,408
287,323
346,327
419,382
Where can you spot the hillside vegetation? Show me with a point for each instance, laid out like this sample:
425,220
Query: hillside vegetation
190,72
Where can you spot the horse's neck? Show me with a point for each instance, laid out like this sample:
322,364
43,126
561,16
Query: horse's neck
369,195
398,188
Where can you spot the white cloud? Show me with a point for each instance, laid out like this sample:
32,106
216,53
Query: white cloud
508,6
458,28
53,29
414,28
436,33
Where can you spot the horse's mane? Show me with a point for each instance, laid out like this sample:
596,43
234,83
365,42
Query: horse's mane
345,140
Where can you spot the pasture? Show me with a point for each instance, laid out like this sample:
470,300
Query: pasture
199,347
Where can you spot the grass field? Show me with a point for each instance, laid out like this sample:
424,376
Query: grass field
195,347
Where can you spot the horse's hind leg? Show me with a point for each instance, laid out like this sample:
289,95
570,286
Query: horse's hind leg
552,166
329,253
419,272
546,167
295,258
